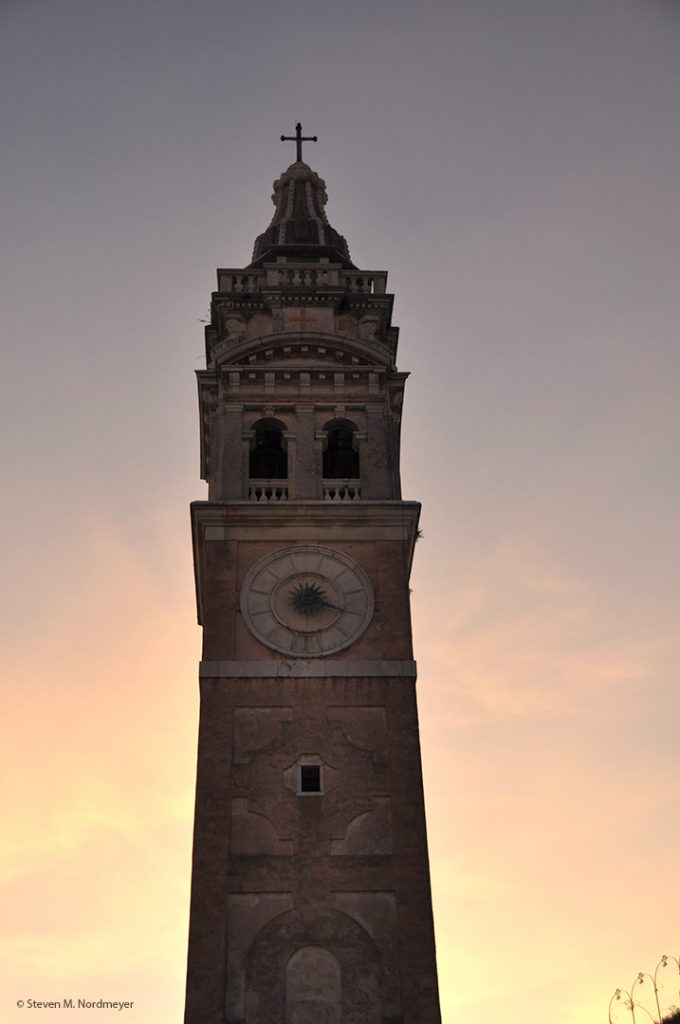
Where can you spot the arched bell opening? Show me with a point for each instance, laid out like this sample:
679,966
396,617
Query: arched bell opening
341,451
341,461
268,452
268,461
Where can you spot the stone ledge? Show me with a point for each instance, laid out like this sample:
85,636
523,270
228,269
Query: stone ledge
307,668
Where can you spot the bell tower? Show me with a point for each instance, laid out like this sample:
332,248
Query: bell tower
310,890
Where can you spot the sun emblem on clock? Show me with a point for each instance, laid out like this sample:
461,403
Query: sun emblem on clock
309,599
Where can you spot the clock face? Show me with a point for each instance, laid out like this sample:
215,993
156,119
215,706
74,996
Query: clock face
307,601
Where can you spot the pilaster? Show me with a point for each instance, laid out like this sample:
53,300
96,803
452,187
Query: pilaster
376,477
307,460
230,480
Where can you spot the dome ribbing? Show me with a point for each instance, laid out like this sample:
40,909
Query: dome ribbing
299,225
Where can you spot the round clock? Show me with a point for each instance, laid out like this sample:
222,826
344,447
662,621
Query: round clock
307,601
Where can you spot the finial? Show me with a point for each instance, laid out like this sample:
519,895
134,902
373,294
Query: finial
298,139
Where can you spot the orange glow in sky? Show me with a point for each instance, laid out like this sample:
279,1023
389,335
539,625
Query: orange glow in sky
514,168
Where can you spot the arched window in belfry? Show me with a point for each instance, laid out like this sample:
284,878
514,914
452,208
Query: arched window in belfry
268,456
341,454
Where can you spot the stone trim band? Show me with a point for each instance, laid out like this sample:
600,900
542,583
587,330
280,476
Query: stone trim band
308,668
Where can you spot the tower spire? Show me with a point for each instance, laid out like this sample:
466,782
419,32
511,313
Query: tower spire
300,226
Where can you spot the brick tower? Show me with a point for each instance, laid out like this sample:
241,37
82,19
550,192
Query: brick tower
310,891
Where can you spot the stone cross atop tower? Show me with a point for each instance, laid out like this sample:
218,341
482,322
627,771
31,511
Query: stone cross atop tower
310,891
298,139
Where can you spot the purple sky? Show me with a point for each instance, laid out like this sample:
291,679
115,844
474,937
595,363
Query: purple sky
515,168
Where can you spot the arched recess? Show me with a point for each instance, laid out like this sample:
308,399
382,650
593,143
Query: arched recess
353,992
367,353
313,987
268,450
341,451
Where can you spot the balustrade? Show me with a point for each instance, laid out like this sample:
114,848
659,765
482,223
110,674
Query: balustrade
291,276
268,491
365,283
342,490
302,277
238,282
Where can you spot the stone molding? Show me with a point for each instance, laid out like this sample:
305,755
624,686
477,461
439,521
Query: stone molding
372,352
380,512
302,520
308,668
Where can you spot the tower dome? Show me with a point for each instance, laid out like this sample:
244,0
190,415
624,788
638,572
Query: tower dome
299,226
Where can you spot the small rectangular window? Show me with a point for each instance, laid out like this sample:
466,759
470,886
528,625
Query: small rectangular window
310,778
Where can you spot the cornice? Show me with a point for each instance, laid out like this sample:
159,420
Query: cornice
309,668
242,512
299,522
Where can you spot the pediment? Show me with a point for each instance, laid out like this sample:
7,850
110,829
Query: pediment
307,350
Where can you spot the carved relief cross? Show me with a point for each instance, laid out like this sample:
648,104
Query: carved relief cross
302,318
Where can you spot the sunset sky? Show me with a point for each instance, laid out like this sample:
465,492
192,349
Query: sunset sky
514,166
